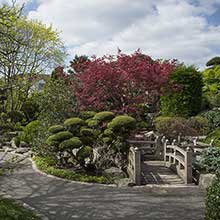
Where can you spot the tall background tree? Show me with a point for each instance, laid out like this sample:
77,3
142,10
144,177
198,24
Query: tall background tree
27,48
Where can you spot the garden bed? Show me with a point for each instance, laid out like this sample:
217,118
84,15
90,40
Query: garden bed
46,166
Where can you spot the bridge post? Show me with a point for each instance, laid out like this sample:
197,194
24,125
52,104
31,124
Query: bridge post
165,150
137,166
188,165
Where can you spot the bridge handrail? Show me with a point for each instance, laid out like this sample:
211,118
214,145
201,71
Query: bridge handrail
184,171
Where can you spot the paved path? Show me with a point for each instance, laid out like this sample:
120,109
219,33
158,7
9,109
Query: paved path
63,200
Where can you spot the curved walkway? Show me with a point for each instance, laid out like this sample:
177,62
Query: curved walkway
64,200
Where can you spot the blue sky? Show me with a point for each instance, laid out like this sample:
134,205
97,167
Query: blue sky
188,30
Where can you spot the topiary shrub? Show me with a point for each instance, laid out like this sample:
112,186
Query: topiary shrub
200,124
70,144
171,127
57,138
74,124
92,123
86,131
29,131
122,123
104,116
187,99
213,201
215,135
87,114
56,128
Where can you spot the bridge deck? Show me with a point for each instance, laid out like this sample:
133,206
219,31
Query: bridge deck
155,172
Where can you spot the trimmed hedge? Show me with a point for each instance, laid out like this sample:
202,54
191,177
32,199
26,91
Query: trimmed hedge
87,114
58,137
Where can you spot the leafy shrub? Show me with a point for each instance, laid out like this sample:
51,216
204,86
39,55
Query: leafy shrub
214,61
29,131
215,135
59,137
104,116
7,126
122,123
210,159
200,124
187,99
55,129
213,201
84,152
87,114
70,144
73,124
213,117
171,127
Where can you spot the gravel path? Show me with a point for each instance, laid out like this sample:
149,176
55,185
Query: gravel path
64,200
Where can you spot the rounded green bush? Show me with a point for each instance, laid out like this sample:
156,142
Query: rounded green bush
84,152
122,122
213,201
108,132
58,137
86,131
87,114
92,122
71,143
74,122
56,128
104,116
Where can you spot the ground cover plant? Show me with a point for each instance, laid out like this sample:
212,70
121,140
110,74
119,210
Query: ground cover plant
10,210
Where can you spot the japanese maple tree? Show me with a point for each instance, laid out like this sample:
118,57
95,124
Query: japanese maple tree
123,83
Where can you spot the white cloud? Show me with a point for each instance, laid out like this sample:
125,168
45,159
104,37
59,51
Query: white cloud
161,28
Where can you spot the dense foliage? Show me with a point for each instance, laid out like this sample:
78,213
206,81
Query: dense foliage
186,100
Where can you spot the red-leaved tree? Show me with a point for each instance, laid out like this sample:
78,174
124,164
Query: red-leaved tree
122,84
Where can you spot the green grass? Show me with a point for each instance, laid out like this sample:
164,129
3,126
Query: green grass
46,165
9,210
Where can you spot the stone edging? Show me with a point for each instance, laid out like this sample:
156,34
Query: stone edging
36,169
25,205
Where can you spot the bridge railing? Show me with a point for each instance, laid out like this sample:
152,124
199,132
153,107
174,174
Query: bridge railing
180,160
134,165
